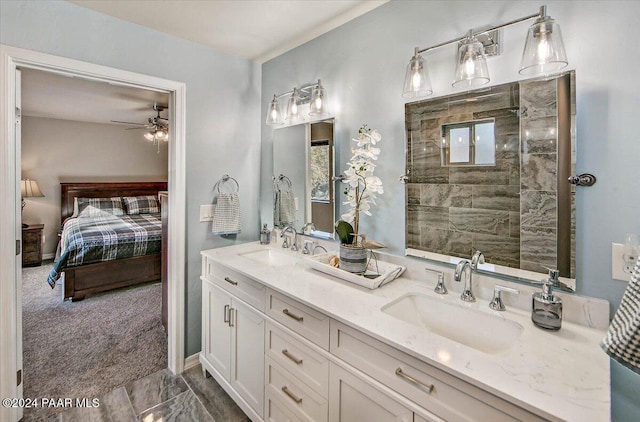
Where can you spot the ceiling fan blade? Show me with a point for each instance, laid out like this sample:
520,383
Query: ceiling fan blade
128,123
134,128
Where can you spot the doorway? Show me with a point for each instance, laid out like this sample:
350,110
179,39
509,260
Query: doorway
10,227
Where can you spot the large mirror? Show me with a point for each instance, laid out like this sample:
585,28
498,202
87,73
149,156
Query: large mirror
487,170
303,185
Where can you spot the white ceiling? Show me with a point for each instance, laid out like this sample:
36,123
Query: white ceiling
254,29
54,96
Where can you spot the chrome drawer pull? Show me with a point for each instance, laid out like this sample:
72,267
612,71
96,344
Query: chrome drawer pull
228,280
294,316
290,394
232,312
426,388
226,313
290,356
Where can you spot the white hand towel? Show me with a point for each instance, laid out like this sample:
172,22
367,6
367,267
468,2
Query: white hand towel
622,342
226,217
287,207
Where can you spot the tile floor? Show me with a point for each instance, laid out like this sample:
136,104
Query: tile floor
162,396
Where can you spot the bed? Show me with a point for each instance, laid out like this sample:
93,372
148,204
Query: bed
103,250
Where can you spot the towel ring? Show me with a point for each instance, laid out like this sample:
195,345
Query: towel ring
280,179
225,179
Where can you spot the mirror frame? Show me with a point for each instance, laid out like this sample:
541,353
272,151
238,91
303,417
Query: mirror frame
307,183
566,140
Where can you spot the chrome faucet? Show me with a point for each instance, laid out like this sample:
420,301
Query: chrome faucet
440,288
467,292
313,252
311,227
285,244
308,245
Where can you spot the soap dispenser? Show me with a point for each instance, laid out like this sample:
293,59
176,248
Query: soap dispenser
265,235
546,309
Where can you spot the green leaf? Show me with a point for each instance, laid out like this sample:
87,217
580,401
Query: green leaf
343,230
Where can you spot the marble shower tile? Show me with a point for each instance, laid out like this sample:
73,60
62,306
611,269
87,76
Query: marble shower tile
154,389
183,407
213,397
514,224
538,172
114,406
413,193
440,195
538,98
539,135
446,242
538,209
538,247
498,197
436,217
412,233
498,250
479,221
481,175
425,153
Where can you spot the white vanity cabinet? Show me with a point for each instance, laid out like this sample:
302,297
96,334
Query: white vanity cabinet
353,400
233,344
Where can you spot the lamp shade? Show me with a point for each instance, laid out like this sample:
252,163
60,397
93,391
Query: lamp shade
274,115
293,106
543,50
416,79
317,106
30,189
471,65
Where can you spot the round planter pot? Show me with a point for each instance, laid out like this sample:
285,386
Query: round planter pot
353,258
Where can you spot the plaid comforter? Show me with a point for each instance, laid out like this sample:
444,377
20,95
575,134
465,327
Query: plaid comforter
106,238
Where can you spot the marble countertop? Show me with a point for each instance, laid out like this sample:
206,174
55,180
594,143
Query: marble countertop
562,374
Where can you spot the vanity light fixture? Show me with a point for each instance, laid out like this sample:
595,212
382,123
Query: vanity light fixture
543,54
313,94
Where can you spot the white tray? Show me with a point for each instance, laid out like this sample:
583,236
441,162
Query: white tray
371,279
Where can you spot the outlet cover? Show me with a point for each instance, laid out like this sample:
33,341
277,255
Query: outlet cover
206,212
618,264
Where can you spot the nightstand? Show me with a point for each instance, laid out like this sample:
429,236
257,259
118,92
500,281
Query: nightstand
32,245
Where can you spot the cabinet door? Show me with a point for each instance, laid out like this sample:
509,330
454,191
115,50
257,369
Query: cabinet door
247,376
216,304
352,400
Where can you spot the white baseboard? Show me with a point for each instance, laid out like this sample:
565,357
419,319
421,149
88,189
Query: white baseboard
48,255
191,361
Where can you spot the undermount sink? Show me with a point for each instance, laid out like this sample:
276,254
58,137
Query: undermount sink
481,331
271,257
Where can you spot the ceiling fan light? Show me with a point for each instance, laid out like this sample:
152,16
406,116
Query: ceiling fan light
149,136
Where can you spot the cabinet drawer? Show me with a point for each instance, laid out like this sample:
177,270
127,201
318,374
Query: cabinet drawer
302,361
274,411
305,321
235,283
435,390
294,395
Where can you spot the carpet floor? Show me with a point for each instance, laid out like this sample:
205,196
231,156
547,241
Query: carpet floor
88,348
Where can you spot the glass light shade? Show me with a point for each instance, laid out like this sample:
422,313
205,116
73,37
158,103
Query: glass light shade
471,65
161,133
149,136
543,50
274,115
416,80
318,99
293,105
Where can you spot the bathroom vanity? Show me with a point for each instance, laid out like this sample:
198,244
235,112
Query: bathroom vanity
290,343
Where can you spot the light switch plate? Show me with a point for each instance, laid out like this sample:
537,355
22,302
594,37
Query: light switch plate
617,263
206,212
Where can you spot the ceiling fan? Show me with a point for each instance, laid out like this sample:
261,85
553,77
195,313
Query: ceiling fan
158,127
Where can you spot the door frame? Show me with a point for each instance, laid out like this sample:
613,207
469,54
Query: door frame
12,58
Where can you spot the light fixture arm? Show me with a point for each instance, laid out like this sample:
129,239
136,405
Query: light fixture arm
541,14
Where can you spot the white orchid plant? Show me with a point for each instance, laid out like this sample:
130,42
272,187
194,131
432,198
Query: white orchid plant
362,185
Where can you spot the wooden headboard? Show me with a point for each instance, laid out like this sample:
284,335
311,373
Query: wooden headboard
104,190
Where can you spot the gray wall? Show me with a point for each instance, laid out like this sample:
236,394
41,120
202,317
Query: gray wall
223,108
55,151
362,65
